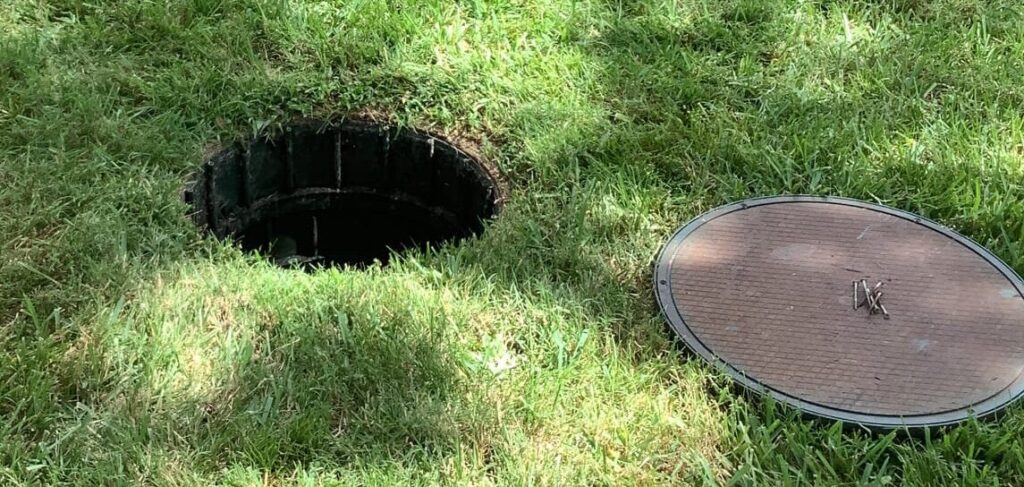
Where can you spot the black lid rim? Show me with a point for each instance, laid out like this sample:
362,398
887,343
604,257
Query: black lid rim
663,292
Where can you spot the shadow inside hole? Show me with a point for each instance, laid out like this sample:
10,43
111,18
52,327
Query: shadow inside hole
353,229
347,194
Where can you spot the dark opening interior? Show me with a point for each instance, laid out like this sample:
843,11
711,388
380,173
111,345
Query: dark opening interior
349,193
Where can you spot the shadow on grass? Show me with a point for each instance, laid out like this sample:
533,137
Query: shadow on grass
762,98
703,113
263,369
219,368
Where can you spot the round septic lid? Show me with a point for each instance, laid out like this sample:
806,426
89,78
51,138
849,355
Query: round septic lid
765,289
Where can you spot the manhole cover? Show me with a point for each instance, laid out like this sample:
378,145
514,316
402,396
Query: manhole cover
352,193
764,288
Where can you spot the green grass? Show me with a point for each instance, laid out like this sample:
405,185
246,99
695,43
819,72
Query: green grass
134,350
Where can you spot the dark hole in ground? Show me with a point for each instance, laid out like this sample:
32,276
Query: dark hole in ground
336,194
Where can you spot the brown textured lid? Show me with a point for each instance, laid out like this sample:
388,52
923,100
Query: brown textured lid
764,288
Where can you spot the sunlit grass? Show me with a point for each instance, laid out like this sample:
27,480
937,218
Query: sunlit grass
137,351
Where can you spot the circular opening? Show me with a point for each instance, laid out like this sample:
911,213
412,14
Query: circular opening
323,195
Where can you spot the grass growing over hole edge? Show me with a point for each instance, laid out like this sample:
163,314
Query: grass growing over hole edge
136,351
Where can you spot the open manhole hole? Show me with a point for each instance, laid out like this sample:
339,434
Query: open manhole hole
342,194
765,289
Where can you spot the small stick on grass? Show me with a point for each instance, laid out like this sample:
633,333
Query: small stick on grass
856,302
867,293
876,302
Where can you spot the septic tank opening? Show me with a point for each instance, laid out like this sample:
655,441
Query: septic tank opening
337,194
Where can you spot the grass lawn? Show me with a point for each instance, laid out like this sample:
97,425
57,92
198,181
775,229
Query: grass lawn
135,350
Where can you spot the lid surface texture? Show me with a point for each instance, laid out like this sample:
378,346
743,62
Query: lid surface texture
764,288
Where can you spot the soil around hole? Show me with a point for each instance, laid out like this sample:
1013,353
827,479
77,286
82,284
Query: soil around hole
349,193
